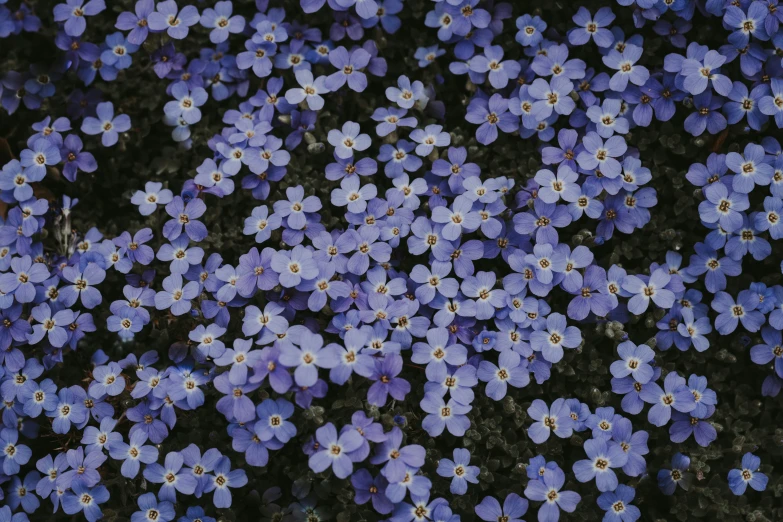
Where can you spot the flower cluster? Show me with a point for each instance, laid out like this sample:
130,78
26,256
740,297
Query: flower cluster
379,259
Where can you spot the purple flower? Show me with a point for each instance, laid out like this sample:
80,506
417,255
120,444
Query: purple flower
168,17
12,328
557,335
750,167
171,476
457,219
368,488
698,73
272,423
669,479
723,207
73,12
221,21
427,55
353,196
296,207
732,312
480,287
180,256
686,424
500,71
490,114
294,266
67,411
235,403
601,156
560,186
617,505
35,160
348,69
118,52
437,353
224,479
38,397
153,195
406,94
739,479
185,104
627,70
308,357
175,295
270,320
387,382
543,220
185,216
398,458
207,338
135,247
635,361
459,470
106,124
606,119
136,23
551,97
75,159
645,290
772,217
706,116
432,136
531,30
133,454
84,469
389,119
433,281
594,27
15,177
443,415
674,395
456,169
772,103
151,509
399,159
513,508
716,268
334,451
747,25
348,139
770,350
83,499
83,285
279,378
602,422
547,490
262,224
309,90
15,455
52,326
549,419
592,295
511,370
746,105
602,456
107,380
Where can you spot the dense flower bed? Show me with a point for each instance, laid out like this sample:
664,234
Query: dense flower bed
391,260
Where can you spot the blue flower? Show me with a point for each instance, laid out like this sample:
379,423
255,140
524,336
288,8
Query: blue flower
669,479
151,510
617,505
739,479
106,124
